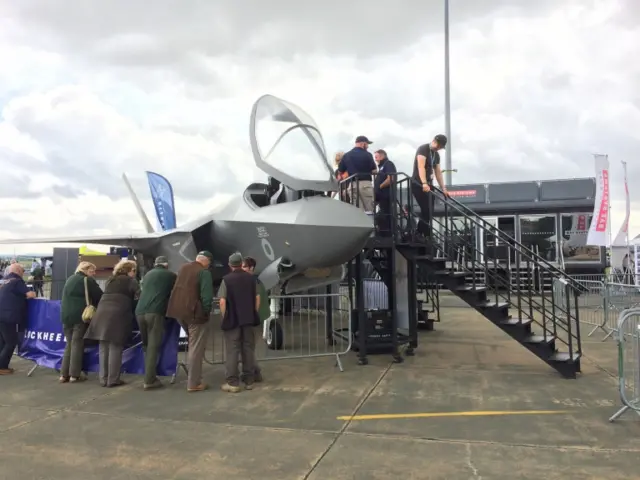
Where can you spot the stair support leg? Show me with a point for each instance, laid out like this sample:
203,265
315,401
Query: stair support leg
412,286
362,321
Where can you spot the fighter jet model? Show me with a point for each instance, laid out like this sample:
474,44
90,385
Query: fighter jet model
300,236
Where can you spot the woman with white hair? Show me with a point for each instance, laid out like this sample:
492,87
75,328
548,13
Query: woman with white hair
80,291
112,324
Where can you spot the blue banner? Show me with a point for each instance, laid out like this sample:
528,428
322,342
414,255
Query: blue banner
43,343
163,201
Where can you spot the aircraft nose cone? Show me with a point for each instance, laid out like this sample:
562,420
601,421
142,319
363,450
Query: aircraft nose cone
337,231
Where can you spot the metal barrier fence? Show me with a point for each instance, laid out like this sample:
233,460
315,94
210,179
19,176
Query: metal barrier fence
628,339
600,303
300,326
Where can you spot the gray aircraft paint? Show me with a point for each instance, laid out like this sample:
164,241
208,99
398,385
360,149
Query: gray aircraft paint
286,239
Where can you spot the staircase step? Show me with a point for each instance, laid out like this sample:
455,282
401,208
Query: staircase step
564,357
539,339
492,304
449,273
516,321
469,287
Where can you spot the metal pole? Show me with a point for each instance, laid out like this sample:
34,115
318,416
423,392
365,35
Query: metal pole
447,95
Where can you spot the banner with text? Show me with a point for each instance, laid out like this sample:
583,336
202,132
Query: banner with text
622,239
599,228
163,200
44,342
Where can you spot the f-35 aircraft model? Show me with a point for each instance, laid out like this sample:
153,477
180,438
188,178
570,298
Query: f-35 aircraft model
299,235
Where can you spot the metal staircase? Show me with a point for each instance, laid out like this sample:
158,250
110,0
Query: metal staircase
548,329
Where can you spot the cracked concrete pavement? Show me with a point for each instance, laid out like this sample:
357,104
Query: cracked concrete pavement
288,427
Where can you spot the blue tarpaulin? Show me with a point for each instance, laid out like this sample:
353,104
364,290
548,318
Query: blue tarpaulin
44,343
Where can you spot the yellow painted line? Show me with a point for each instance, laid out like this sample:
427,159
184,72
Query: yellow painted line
397,416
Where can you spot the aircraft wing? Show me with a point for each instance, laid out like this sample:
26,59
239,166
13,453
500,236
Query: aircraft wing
133,241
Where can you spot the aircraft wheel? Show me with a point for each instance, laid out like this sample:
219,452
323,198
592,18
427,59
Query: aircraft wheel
275,336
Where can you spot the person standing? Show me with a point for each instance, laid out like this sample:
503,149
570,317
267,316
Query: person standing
190,304
426,165
112,324
13,311
239,306
382,191
264,312
151,314
80,290
358,163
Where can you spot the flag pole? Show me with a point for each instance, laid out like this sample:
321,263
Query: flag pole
447,97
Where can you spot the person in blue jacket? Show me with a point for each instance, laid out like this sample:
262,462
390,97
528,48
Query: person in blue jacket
13,311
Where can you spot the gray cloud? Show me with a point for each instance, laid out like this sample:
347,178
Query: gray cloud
17,186
168,67
167,32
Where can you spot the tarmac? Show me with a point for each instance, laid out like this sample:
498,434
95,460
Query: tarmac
471,404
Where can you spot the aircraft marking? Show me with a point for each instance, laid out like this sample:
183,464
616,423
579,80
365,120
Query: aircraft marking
267,249
186,244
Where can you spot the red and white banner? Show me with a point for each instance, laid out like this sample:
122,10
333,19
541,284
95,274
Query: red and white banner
622,239
599,228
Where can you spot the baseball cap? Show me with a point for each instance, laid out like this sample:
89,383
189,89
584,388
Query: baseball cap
362,138
235,259
206,253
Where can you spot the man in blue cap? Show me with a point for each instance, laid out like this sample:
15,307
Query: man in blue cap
359,164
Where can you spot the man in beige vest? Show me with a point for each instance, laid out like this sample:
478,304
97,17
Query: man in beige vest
190,304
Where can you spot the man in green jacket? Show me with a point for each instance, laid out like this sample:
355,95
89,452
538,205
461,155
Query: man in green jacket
264,312
150,313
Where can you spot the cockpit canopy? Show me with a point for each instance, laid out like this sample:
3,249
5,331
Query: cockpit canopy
288,146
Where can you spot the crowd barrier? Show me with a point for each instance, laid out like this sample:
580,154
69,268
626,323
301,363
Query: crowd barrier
628,338
599,303
43,343
301,326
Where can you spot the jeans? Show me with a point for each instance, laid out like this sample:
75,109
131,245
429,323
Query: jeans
8,343
425,201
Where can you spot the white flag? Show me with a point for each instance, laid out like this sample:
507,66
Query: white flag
622,239
599,228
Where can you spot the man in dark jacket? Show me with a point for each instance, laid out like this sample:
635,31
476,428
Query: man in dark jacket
382,190
13,310
190,303
150,313
239,305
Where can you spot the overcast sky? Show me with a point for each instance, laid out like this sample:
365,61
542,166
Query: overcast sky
91,88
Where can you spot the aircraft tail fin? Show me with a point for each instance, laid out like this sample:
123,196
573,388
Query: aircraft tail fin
136,202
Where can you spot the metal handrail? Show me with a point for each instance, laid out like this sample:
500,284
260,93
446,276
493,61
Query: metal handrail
473,216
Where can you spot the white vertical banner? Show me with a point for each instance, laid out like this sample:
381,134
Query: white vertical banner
622,239
599,228
636,264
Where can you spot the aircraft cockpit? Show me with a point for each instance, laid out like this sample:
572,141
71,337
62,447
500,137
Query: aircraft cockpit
288,146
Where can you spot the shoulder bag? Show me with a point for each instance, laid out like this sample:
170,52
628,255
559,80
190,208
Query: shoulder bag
89,310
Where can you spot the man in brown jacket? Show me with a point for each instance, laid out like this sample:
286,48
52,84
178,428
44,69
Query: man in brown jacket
239,305
190,304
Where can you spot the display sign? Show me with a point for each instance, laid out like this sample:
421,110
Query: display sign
599,229
463,193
